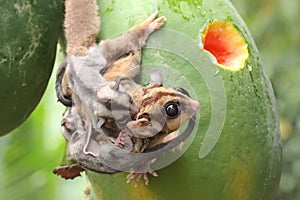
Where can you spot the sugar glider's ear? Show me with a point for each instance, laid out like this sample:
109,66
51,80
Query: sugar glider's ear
117,84
183,91
156,78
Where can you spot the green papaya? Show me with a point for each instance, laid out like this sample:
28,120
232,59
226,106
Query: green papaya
29,33
205,47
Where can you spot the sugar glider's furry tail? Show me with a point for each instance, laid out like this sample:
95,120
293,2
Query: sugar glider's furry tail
82,25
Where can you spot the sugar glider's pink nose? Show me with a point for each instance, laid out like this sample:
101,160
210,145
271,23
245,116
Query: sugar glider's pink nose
195,105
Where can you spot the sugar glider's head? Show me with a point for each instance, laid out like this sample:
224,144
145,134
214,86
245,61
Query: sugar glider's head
178,109
169,106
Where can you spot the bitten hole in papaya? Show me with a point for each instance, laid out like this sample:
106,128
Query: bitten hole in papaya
223,41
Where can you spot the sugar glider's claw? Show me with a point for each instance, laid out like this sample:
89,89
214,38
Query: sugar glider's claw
150,19
158,23
139,176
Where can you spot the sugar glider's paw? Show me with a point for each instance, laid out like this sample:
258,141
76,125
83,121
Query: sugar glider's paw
139,176
142,172
153,22
124,141
157,23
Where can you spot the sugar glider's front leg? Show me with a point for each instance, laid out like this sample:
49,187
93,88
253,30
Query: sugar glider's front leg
130,42
102,56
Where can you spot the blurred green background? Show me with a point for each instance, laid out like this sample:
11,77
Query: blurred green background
29,153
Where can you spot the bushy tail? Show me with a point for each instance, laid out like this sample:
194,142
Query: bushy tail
82,25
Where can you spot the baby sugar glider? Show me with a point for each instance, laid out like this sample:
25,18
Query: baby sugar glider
161,111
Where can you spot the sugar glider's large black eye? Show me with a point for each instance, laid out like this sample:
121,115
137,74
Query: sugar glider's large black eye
172,109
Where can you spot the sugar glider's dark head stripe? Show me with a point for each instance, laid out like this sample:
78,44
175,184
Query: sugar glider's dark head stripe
183,91
150,100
